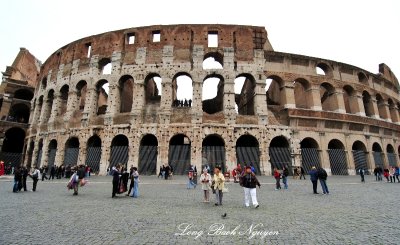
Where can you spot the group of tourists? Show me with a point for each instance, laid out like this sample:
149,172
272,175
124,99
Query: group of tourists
166,172
182,103
20,177
120,181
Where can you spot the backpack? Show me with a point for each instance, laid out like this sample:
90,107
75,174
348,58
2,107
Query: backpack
35,174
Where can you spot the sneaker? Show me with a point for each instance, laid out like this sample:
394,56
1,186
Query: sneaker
257,206
216,204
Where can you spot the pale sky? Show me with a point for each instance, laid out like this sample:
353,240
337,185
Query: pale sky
360,33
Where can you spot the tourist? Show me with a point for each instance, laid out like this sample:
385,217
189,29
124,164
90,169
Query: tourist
302,173
190,183
314,179
24,174
295,173
277,177
167,171
218,185
285,174
123,181
162,171
35,177
115,180
135,191
205,180
397,173
322,176
391,175
361,172
376,173
249,182
386,174
132,183
77,177
43,172
1,168
52,172
17,179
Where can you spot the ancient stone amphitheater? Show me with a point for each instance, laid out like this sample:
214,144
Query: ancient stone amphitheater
117,97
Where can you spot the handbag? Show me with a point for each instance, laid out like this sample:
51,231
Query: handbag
225,190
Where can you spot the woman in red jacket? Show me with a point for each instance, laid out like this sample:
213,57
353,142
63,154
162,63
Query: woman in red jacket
277,177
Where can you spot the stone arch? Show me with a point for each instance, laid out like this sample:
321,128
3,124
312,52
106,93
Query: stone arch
279,153
328,97
362,78
214,104
126,86
245,85
13,144
71,151
64,99
377,153
102,89
153,89
323,69
213,152
182,90
213,60
337,157
368,105
93,153
179,153
51,153
350,101
274,91
19,113
310,154
81,92
44,83
248,152
391,155
148,155
23,94
302,93
381,106
119,151
360,154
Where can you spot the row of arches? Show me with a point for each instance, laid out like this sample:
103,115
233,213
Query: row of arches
213,152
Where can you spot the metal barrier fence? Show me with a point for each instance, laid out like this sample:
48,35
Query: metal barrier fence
309,158
337,159
249,155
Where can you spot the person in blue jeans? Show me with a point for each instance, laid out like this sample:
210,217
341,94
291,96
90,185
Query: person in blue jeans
322,176
285,174
314,178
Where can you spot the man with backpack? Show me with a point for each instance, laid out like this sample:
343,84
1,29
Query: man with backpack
35,177
322,176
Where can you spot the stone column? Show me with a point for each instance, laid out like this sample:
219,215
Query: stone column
287,95
90,109
36,113
196,156
229,100
374,107
394,115
314,98
55,109
385,111
357,104
45,152
339,102
197,109
260,101
59,160
72,104
105,155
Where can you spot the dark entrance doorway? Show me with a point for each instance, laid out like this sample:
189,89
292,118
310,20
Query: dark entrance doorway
179,154
213,152
148,155
247,152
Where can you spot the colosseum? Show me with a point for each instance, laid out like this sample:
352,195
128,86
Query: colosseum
145,96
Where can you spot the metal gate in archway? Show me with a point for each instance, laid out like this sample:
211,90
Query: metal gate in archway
119,155
71,156
148,159
215,156
93,158
179,158
392,159
337,159
310,158
11,159
360,161
249,155
51,157
378,159
280,157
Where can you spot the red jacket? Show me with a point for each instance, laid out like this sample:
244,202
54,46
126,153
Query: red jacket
277,175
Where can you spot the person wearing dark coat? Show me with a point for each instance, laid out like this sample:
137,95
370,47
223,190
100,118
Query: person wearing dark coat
322,176
52,172
314,179
302,173
17,180
24,173
249,182
115,180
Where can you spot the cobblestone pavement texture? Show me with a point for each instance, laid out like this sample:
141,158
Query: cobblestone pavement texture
354,213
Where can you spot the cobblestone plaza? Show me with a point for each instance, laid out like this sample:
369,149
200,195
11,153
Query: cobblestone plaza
354,213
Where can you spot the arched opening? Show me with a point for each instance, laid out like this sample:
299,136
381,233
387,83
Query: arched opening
148,155
93,153
52,150
152,89
244,94
377,153
23,94
44,83
393,111
350,101
81,89
381,106
71,152
64,99
126,93
273,90
179,154
213,61
182,90
213,152
337,157
310,155
248,152
48,105
119,151
391,155
102,96
360,156
328,97
13,144
213,94
323,69
19,113
368,106
279,154
362,78
302,96
105,66
39,154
